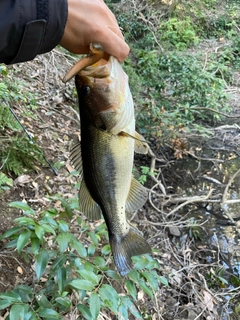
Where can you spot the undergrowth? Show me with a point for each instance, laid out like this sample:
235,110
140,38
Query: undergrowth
72,273
180,88
17,152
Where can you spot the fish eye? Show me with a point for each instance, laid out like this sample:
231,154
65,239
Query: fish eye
85,90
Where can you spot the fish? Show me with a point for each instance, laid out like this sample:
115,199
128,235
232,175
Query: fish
106,152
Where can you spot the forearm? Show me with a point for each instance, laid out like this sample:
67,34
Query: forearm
30,27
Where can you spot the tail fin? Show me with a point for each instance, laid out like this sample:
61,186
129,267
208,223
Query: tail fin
124,248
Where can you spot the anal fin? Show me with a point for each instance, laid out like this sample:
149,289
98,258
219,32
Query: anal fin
137,196
87,205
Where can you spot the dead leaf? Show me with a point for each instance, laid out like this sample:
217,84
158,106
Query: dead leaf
208,300
19,270
69,167
140,295
23,179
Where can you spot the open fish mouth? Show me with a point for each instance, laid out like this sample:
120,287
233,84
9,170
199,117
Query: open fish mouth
95,55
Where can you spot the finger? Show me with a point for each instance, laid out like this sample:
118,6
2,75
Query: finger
112,43
116,30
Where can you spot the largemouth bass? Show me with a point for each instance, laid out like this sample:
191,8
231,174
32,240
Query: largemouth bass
108,140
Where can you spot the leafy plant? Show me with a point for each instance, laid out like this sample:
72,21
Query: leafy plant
5,182
176,91
194,231
178,33
215,278
145,173
17,152
68,265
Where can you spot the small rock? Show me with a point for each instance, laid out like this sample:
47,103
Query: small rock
174,231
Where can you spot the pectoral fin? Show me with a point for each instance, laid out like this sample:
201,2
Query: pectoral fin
76,157
140,145
137,196
87,205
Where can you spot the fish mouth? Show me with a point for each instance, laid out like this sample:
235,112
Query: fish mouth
105,76
97,57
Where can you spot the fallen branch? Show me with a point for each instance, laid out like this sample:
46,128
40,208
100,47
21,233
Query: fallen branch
193,200
224,197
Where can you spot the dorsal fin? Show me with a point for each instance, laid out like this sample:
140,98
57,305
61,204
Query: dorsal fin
137,196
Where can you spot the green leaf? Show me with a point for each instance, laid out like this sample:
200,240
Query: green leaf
106,249
94,303
10,232
39,232
43,301
131,307
49,314
48,228
91,249
131,288
52,222
24,291
134,275
113,274
11,244
81,284
4,304
61,278
93,237
63,225
142,284
18,311
64,301
85,311
11,296
25,221
163,280
23,240
32,315
41,262
81,250
59,262
100,262
141,262
62,240
152,280
23,206
90,276
223,280
110,297
88,266
123,312
35,244
67,207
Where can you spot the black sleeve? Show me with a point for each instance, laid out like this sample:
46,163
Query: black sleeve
30,27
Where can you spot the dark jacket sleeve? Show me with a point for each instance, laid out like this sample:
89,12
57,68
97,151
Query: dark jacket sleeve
30,27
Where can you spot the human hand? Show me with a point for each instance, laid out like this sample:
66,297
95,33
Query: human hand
91,21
